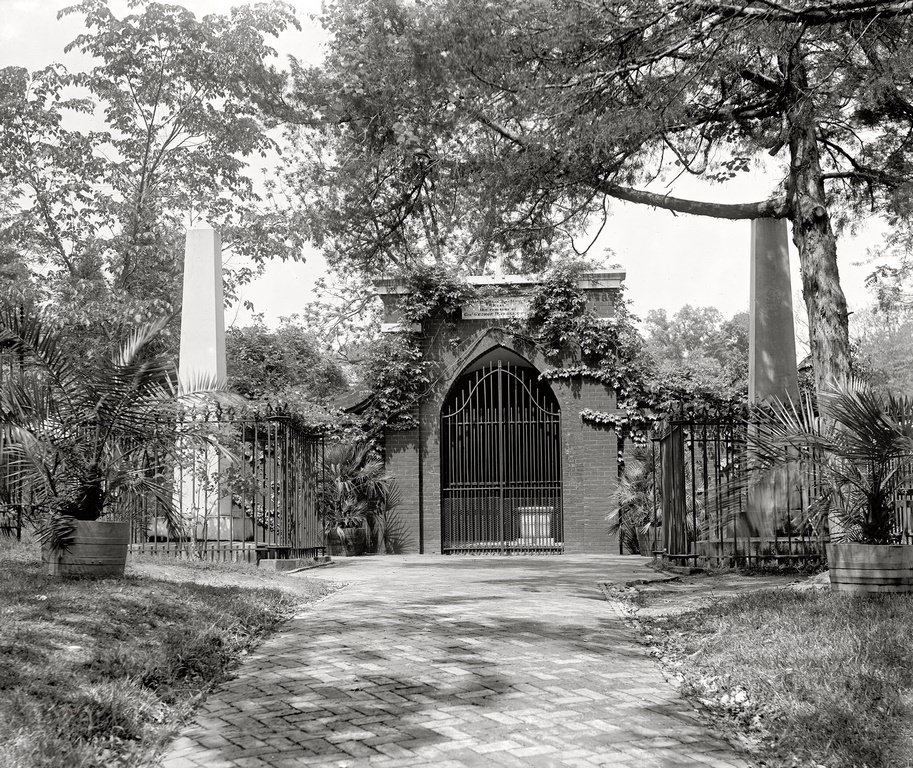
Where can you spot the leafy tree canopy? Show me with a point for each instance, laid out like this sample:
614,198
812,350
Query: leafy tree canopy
483,131
699,341
286,365
883,345
96,217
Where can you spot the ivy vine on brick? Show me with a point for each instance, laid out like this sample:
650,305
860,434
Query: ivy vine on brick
609,350
435,292
398,373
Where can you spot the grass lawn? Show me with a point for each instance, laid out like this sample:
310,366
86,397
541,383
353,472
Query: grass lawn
101,672
817,678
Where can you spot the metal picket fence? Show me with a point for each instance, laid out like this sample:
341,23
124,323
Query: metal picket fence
254,497
707,512
259,501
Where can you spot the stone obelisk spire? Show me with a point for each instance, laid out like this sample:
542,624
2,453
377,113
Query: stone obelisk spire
204,503
772,372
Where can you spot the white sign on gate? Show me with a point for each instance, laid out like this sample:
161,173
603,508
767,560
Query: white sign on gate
495,307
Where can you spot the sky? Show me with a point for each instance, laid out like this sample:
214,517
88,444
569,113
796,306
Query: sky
670,260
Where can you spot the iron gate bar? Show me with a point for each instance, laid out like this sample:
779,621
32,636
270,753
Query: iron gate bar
500,479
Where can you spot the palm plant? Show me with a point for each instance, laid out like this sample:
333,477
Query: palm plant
79,434
355,493
855,452
632,515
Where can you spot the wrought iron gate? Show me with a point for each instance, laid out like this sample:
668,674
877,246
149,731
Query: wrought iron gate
501,463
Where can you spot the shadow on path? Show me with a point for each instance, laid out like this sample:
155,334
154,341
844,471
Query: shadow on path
445,665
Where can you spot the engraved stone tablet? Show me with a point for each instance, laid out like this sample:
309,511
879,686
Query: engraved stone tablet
495,307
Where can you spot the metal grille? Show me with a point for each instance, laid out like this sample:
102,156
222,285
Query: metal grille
501,463
270,491
703,496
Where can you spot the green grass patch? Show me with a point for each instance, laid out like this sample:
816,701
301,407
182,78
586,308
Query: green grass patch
816,678
102,672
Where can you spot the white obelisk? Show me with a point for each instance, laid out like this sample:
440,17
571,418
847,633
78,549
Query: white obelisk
204,504
202,309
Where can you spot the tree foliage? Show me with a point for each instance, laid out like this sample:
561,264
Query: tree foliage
480,131
883,345
286,364
697,344
96,217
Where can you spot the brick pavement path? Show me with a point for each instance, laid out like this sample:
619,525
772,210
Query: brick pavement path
454,662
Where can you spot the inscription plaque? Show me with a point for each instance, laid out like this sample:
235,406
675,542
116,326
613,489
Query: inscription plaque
496,307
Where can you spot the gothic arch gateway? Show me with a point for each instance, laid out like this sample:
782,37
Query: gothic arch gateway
501,460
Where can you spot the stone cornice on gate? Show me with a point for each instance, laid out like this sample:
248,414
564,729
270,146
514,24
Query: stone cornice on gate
599,287
604,280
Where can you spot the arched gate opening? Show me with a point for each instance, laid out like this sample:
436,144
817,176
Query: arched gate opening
501,460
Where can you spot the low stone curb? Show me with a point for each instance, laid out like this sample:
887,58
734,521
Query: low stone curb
293,565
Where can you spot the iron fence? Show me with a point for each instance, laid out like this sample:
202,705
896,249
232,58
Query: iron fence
711,514
252,497
241,486
706,510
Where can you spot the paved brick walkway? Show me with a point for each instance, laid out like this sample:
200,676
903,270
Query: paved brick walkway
454,662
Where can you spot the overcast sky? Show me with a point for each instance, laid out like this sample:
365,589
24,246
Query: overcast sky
670,260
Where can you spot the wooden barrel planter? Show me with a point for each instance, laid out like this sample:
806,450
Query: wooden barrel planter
98,549
351,543
869,568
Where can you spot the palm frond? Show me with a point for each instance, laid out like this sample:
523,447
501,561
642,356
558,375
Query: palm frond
77,435
858,450
37,342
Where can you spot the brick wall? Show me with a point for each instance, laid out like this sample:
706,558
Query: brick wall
401,456
589,452
590,467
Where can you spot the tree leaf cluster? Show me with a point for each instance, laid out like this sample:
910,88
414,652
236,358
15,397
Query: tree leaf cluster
95,218
286,365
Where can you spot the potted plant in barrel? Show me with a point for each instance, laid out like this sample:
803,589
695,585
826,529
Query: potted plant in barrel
355,497
77,435
855,452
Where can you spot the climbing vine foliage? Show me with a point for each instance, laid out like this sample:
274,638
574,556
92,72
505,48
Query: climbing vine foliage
612,351
578,342
397,370
609,350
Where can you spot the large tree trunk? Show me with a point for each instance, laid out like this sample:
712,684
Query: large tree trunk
828,326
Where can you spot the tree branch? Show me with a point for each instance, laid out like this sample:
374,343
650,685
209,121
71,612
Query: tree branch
772,208
810,15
